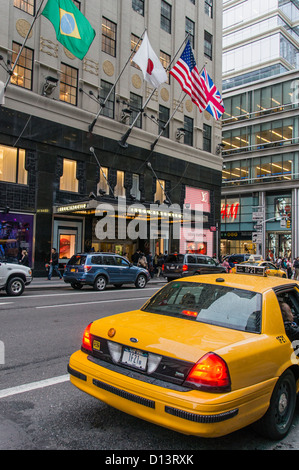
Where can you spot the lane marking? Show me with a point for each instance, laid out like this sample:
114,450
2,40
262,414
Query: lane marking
5,303
33,386
95,302
80,293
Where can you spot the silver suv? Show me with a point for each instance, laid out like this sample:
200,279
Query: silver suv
14,278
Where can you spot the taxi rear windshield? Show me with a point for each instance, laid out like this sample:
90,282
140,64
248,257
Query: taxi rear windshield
216,305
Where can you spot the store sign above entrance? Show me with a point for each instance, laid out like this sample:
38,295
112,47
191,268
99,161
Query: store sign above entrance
230,210
71,208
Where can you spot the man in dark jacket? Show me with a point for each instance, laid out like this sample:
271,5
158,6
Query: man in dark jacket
54,264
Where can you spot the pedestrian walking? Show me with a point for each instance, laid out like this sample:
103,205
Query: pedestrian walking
289,269
24,258
54,264
296,268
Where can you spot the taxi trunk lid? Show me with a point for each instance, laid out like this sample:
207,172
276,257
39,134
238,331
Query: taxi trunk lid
168,346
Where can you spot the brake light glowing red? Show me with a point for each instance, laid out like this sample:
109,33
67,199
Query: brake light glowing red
210,373
163,267
189,313
86,341
185,267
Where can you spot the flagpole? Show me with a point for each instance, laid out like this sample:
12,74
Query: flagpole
164,127
177,107
91,126
21,50
123,141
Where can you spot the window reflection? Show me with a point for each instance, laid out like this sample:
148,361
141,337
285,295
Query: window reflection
269,168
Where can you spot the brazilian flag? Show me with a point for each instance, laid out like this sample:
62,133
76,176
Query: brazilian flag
72,29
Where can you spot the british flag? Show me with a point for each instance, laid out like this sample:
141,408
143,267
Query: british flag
185,71
213,98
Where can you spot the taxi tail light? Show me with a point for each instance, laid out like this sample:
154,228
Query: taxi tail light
86,340
210,373
185,267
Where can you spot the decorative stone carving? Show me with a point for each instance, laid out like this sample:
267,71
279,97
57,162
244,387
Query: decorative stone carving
69,54
164,94
189,106
108,68
91,66
22,26
136,81
48,47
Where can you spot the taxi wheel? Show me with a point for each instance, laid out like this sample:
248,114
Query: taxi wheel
276,423
100,283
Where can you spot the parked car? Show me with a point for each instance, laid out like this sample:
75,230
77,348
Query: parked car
180,265
100,269
14,277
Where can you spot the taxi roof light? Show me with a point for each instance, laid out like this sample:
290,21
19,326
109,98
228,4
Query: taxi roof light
210,373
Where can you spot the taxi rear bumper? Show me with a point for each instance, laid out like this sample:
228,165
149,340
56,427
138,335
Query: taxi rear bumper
186,411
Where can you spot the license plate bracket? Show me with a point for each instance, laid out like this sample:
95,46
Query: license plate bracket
134,358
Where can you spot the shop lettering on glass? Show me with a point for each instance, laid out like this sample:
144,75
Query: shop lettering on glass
230,210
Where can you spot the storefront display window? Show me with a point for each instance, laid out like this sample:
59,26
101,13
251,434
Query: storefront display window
16,234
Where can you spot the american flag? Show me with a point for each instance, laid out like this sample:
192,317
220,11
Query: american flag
185,71
213,98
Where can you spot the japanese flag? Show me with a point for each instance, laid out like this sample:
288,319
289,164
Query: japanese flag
152,69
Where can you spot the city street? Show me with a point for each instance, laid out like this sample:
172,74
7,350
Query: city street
41,410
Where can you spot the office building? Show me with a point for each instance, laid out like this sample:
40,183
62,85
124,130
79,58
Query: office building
51,182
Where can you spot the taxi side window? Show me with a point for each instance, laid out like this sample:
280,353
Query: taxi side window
291,298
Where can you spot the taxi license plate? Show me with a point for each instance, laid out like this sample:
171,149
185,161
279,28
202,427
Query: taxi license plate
73,270
134,358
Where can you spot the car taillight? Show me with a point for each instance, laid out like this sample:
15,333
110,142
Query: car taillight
163,267
185,267
210,373
86,341
87,268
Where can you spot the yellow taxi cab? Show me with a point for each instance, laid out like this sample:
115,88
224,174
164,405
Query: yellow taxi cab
205,356
271,269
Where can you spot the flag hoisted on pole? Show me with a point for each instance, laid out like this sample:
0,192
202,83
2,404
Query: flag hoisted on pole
123,140
197,84
213,98
185,71
91,126
152,69
72,29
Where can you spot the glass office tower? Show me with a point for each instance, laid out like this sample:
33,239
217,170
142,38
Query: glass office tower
260,127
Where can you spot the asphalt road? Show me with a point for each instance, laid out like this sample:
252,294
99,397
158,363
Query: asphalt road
41,410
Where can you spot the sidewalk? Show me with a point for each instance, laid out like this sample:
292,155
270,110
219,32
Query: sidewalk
41,283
